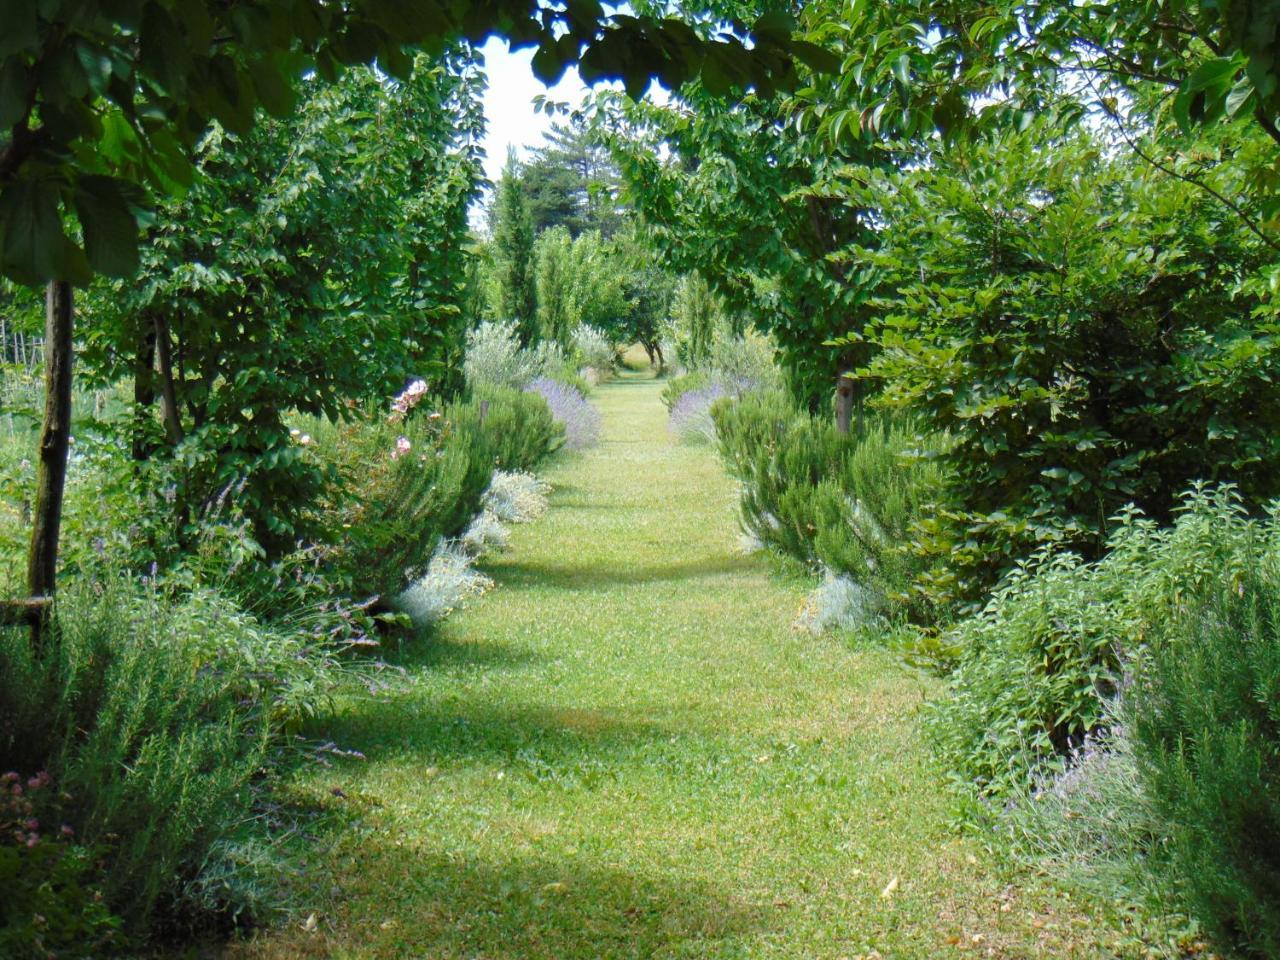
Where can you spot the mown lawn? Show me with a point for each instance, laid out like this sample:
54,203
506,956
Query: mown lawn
625,750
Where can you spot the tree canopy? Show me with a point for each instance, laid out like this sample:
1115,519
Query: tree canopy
102,102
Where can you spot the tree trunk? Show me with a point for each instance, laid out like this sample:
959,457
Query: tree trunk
55,437
144,389
845,404
169,397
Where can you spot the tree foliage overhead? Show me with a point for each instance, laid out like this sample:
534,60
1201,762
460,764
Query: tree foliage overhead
100,102
741,200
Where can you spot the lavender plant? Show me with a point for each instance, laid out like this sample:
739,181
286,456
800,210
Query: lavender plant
1090,822
690,417
569,408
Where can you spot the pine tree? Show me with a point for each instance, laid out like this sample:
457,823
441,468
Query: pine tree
572,182
512,230
558,312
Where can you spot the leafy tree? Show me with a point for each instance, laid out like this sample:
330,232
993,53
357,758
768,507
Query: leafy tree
741,198
964,69
922,67
513,253
100,100
304,270
697,316
558,313
647,288
571,182
598,279
1091,333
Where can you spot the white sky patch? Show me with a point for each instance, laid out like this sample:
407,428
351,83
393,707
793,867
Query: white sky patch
508,103
509,112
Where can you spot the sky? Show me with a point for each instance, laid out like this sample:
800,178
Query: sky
508,102
508,108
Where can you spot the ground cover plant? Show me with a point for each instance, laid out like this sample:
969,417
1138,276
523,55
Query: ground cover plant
531,794
148,736
966,314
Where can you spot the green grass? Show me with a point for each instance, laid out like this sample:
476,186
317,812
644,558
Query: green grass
625,750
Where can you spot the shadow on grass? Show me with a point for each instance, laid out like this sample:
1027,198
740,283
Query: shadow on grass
401,902
545,743
434,649
541,575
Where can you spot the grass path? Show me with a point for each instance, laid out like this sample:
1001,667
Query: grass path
626,751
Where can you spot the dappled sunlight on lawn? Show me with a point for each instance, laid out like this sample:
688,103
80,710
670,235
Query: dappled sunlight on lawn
626,750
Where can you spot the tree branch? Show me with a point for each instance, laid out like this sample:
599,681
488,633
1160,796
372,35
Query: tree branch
1185,178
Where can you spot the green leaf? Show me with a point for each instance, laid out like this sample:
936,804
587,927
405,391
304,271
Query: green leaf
19,34
1214,75
110,230
96,65
1240,98
33,248
547,63
902,69
273,91
815,57
13,100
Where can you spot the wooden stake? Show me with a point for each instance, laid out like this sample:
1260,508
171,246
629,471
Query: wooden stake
844,403
55,437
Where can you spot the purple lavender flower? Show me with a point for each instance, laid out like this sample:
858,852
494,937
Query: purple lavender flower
568,407
690,418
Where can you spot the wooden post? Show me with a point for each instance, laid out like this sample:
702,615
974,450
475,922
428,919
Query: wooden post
55,436
144,389
844,403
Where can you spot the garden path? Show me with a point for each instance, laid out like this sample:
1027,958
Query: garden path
626,750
